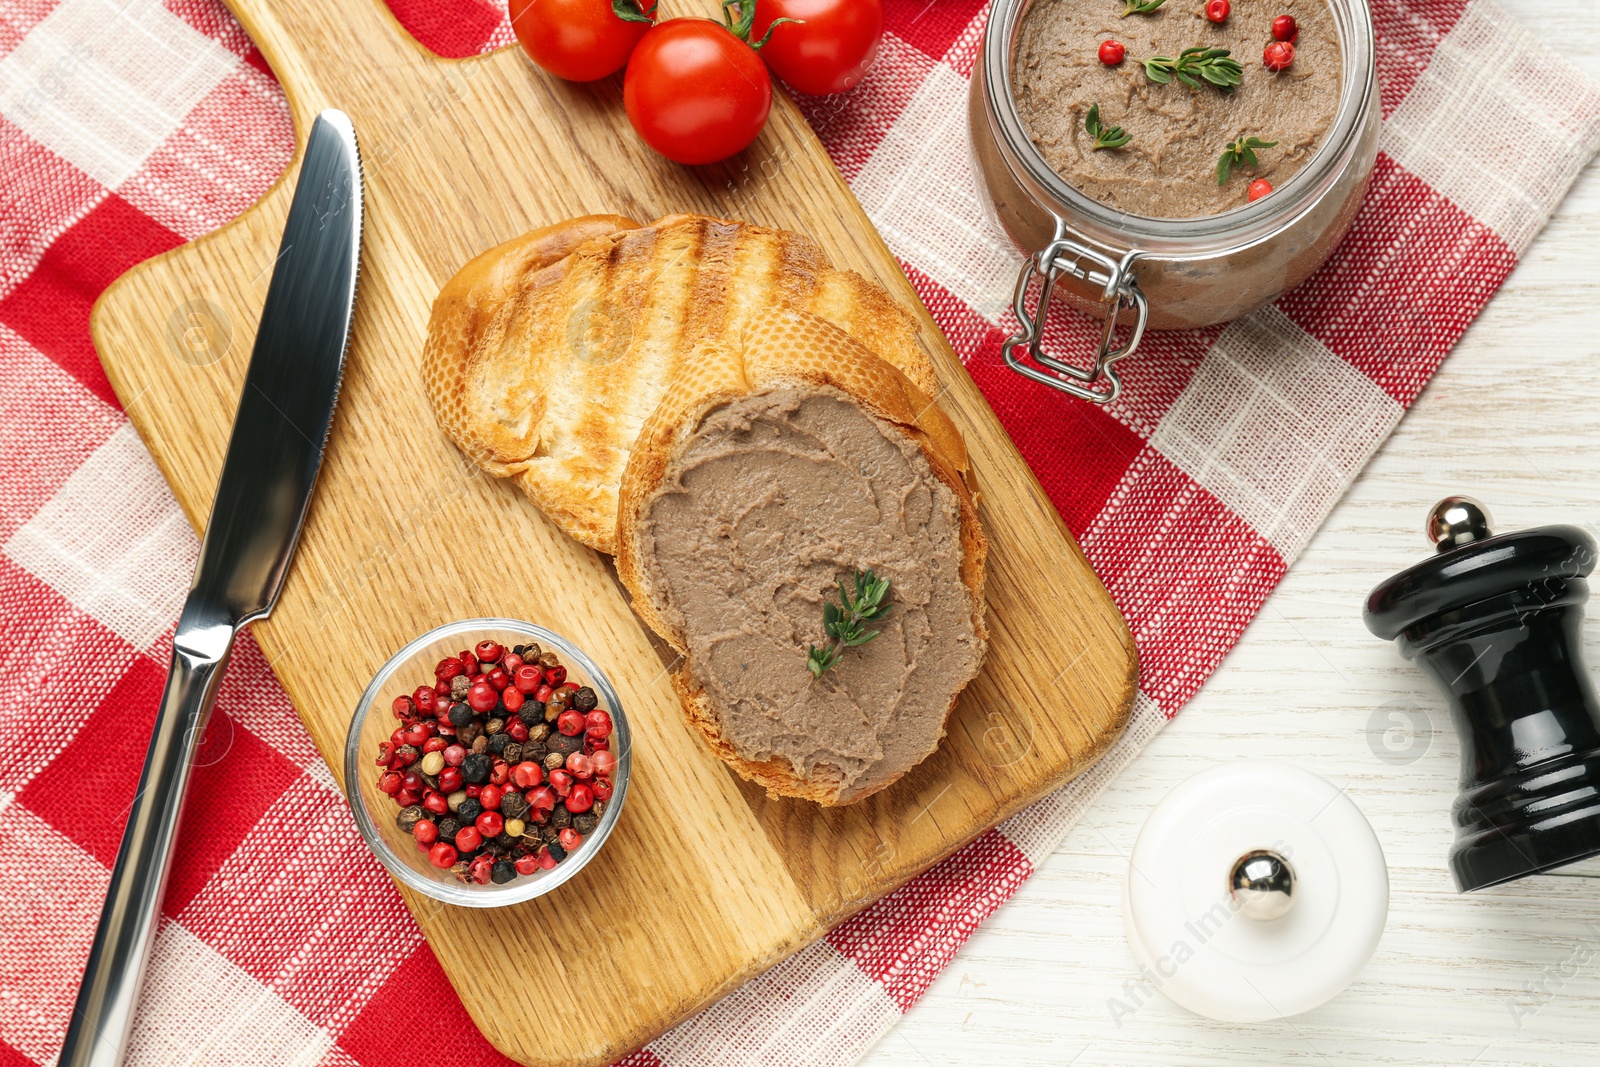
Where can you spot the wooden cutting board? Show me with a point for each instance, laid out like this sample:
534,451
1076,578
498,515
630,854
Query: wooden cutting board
706,882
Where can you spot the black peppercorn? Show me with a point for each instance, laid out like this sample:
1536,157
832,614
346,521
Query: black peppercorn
585,699
538,731
554,761
532,714
494,726
504,842
559,742
599,808
560,818
556,851
512,753
469,733
535,751
459,715
497,743
480,745
469,810
503,872
449,826
586,823
409,817
513,805
476,768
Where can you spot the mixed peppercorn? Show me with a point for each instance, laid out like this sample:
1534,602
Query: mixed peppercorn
501,767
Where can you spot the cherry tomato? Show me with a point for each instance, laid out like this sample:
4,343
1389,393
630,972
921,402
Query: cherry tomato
695,92
579,40
828,49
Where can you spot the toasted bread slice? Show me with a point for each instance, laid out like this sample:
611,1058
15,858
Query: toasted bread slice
545,355
774,467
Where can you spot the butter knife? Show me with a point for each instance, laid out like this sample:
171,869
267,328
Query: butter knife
279,433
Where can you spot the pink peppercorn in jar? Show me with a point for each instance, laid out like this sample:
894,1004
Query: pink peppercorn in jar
1138,272
588,781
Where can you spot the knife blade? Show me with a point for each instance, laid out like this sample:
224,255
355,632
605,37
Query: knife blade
280,432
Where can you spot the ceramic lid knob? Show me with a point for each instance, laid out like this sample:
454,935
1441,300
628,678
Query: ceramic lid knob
1456,521
1262,885
1256,891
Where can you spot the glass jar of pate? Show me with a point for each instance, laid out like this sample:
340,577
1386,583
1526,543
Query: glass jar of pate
1137,272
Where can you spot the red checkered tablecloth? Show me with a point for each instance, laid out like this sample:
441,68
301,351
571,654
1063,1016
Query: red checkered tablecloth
129,126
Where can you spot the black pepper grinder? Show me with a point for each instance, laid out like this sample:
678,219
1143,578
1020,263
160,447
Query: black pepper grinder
1496,622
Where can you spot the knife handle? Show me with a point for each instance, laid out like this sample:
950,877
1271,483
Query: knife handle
103,1015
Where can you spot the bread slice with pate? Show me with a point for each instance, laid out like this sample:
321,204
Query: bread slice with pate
546,354
779,463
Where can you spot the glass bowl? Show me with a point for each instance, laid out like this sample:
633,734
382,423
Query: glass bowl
374,722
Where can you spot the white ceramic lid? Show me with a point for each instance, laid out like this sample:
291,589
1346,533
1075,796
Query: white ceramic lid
1185,929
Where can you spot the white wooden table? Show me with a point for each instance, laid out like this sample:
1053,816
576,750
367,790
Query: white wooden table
1505,976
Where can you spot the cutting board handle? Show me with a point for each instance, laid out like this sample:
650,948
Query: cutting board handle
322,49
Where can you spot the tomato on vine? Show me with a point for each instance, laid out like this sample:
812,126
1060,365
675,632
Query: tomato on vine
580,40
827,45
695,89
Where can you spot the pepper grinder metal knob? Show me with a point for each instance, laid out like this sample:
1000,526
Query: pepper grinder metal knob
1496,621
1262,885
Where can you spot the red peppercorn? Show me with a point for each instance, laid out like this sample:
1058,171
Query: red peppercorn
512,698
511,661
1259,188
489,796
571,722
580,765
555,675
1284,29
442,692
1278,55
602,788
1111,52
542,694
435,802
403,708
468,838
448,669
491,824
542,798
527,864
385,752
527,774
415,735
498,678
455,755
473,791
546,861
481,869
604,763
424,699
581,799
561,782
1217,11
527,677
434,744
488,651
407,797
483,697
598,724
442,855
389,782
449,779
570,838
499,772
426,832
518,730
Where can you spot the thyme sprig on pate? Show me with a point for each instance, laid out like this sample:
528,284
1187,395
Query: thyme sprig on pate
845,621
1104,136
1214,65
1140,7
1240,153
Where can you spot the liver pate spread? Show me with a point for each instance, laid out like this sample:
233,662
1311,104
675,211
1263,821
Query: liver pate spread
775,499
1168,169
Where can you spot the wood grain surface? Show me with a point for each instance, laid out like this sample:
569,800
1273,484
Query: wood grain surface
705,882
1506,977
